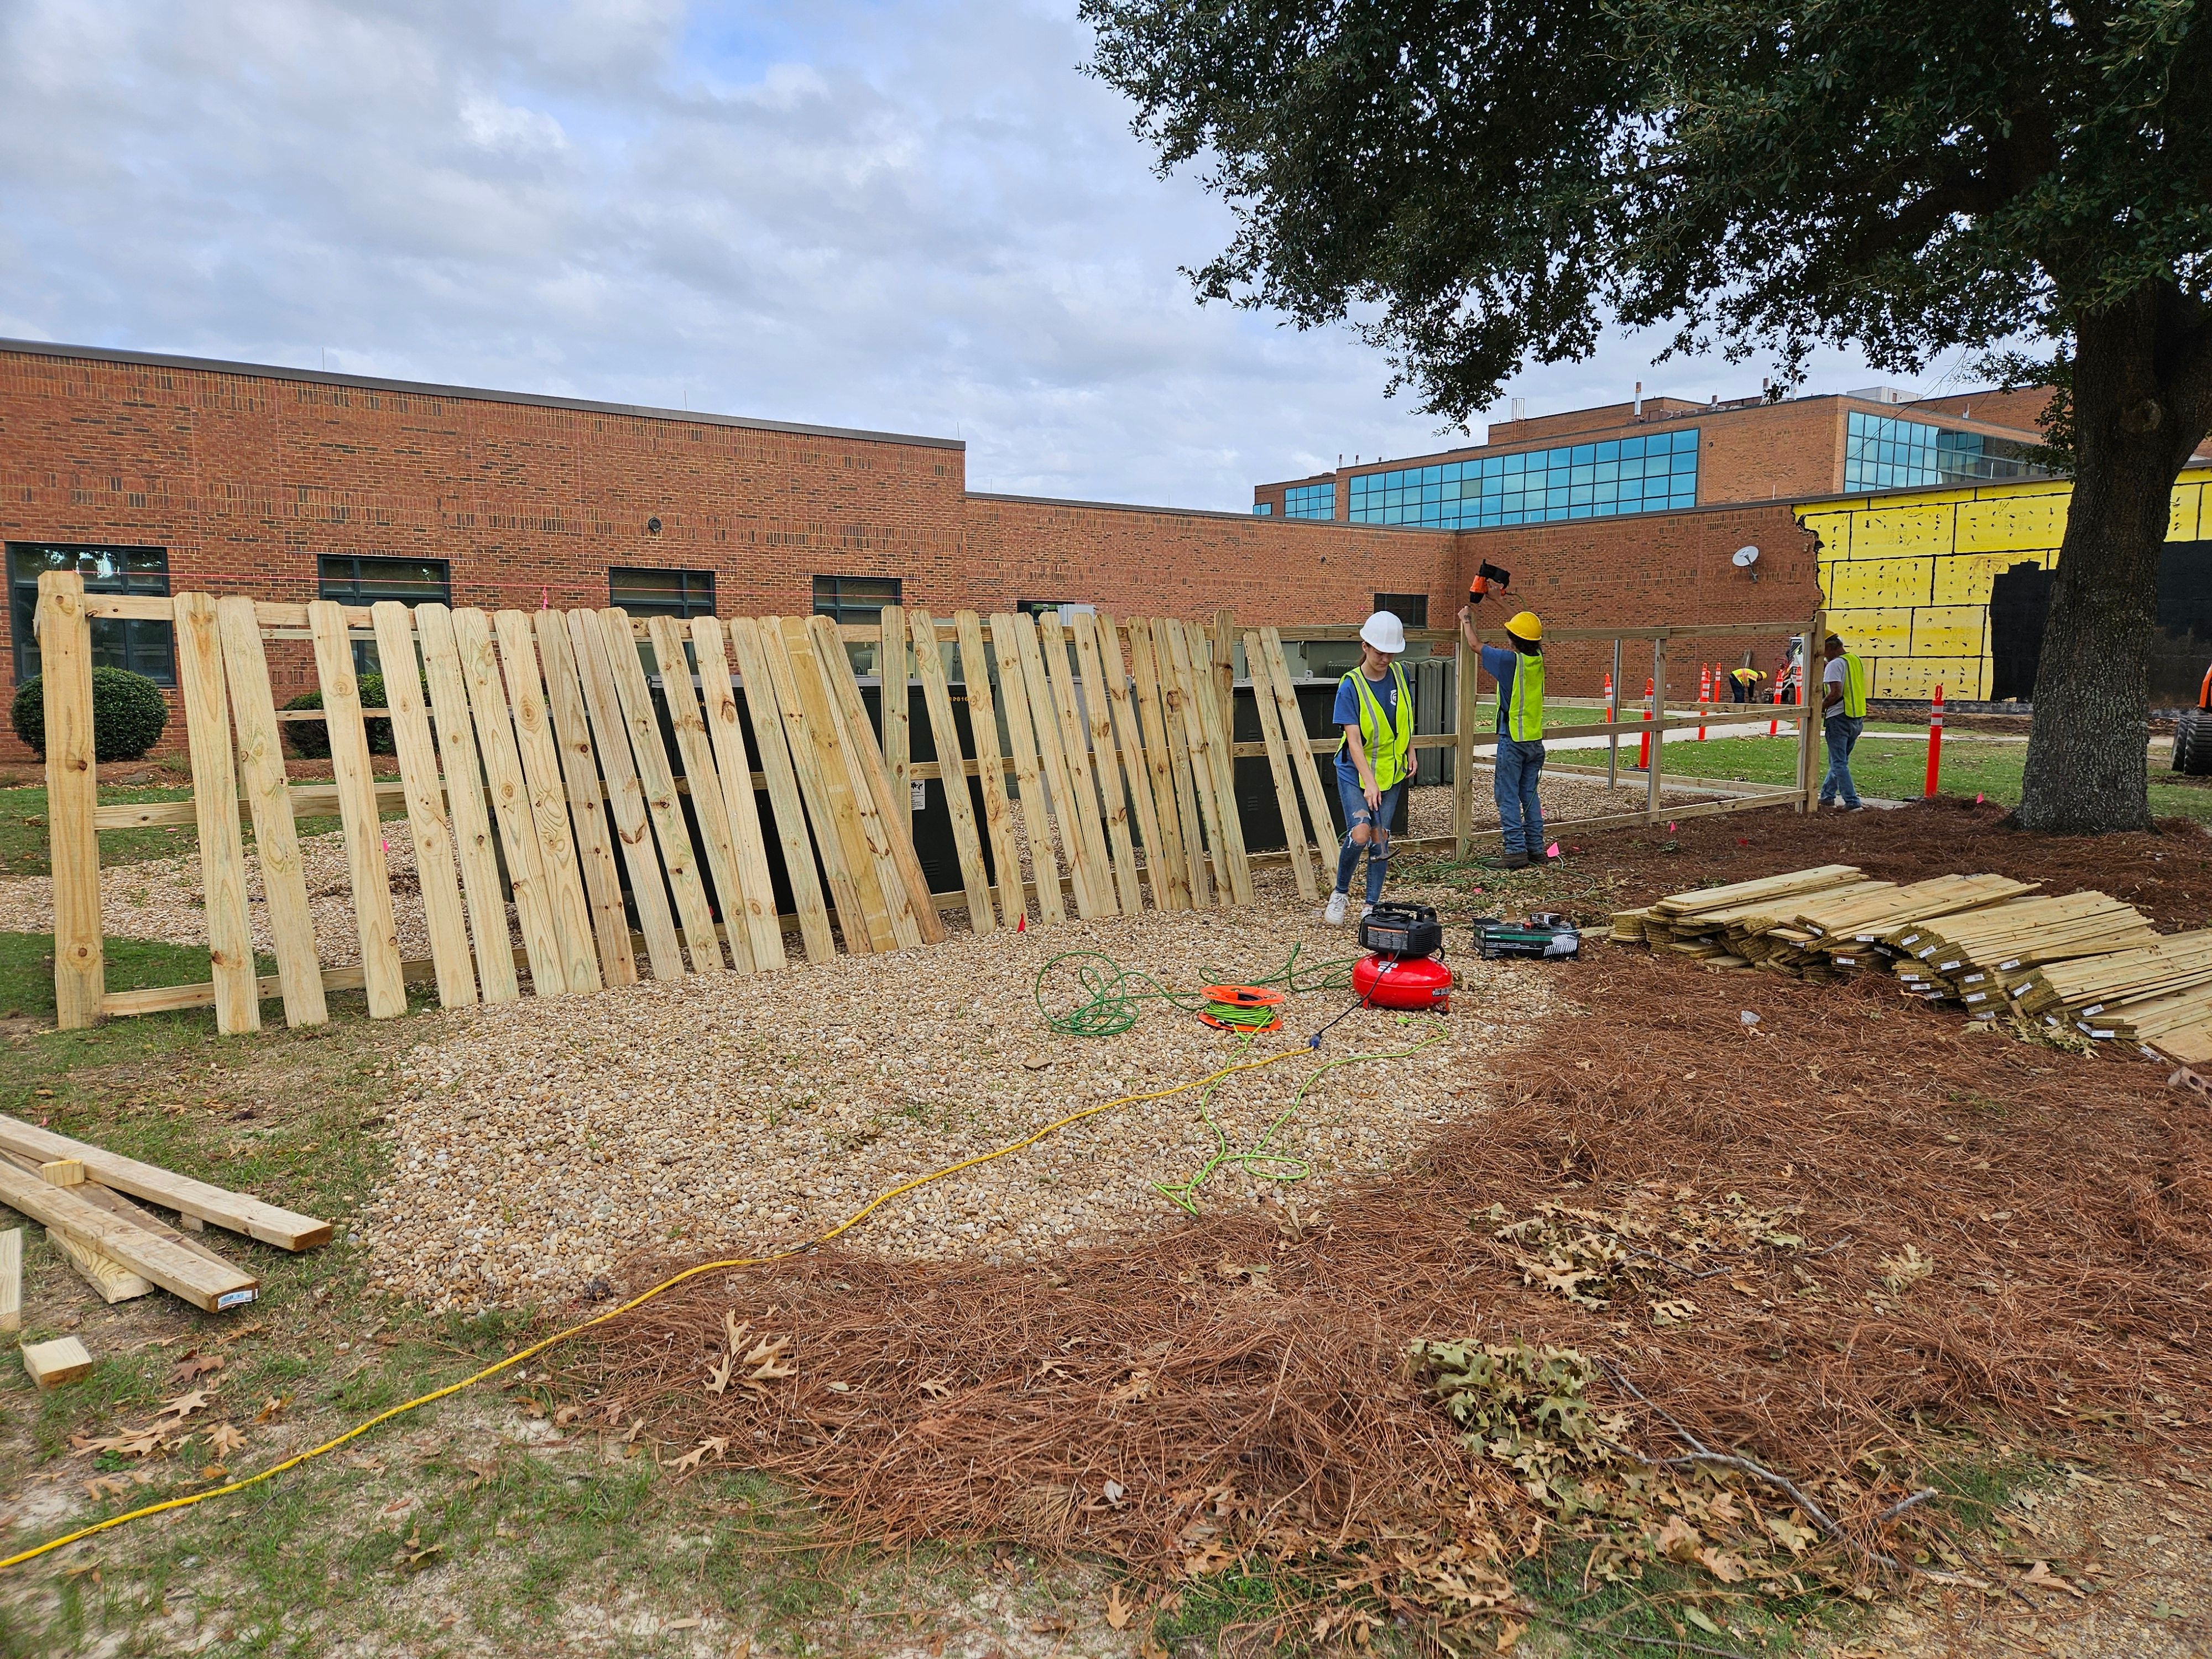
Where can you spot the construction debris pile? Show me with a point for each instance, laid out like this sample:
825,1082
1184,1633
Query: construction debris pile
2083,962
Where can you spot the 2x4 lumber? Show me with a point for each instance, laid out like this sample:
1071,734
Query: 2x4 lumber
1028,774
72,799
377,931
944,736
1059,713
1273,734
427,824
990,765
11,1279
238,1211
580,773
542,941
678,856
726,737
906,888
1166,878
625,792
176,1270
710,810
1105,759
112,1280
1159,705
548,799
897,712
781,780
200,686
467,812
1790,882
846,860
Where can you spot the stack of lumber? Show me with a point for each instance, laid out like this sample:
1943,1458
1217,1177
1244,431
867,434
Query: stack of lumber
78,1191
1976,956
1726,927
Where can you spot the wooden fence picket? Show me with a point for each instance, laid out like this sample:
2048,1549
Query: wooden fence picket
379,933
725,734
548,801
579,776
779,769
427,824
959,808
200,686
465,806
990,764
626,792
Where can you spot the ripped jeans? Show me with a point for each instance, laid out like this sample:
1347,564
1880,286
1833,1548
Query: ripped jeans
1356,814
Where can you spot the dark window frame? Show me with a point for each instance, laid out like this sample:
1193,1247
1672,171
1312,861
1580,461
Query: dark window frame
1411,609
353,589
862,607
687,603
143,646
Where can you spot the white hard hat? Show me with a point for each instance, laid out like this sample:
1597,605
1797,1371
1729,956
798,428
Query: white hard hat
1384,632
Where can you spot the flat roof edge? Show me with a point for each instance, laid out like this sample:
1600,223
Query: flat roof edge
1193,512
475,394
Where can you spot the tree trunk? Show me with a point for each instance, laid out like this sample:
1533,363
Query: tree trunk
2142,402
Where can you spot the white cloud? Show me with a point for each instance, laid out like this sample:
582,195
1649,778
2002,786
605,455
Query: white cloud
920,219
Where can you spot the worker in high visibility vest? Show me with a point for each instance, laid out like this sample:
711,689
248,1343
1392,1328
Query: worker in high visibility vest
1519,754
1842,717
1375,758
1743,683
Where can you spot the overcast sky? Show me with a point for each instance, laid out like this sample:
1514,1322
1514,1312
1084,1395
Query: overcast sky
912,217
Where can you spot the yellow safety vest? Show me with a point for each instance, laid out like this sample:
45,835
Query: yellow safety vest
1387,749
1522,718
1855,686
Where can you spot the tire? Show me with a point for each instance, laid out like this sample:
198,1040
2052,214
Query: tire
2192,743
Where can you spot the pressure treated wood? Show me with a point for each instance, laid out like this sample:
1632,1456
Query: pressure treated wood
1094,893
1303,763
427,827
897,871
364,832
944,735
898,710
845,861
200,687
50,1364
1188,670
72,798
780,770
1075,749
1136,770
991,764
1106,760
710,810
473,846
548,799
1159,709
726,737
579,776
626,794
11,1280
1029,778
1279,766
176,1270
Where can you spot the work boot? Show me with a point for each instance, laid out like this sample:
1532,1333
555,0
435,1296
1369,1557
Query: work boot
1506,862
1334,916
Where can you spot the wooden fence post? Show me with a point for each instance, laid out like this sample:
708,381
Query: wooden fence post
72,795
1466,710
1809,722
1659,729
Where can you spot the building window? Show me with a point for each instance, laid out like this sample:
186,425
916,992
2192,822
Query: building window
1309,500
1061,610
1883,453
662,592
1652,474
144,647
372,578
854,598
1263,509
1411,609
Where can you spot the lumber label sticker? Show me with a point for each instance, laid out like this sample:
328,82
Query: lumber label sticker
232,1299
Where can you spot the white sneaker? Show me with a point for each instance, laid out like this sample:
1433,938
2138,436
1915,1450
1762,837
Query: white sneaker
1365,911
1334,916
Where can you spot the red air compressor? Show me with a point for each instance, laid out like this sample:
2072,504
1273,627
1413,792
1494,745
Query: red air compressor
1403,972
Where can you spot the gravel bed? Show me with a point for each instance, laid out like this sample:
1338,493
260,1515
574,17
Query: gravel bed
544,1147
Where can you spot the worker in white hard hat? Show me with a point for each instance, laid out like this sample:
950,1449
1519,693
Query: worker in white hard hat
1375,759
1520,755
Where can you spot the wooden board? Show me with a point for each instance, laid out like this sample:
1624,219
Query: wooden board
1094,891
726,735
1279,766
580,775
678,856
903,883
215,801
427,827
780,771
364,831
1277,681
846,860
112,1280
710,810
542,943
843,743
1106,761
990,764
959,806
49,1365
176,1270
72,799
1214,716
1184,675
11,1279
1021,732
548,801
1160,709
1075,749
239,1212
897,715
466,808
1136,770
626,794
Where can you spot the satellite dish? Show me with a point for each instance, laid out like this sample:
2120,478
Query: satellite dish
1746,558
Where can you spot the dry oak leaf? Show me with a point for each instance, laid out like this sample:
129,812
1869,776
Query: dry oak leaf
1118,1612
184,1404
690,1460
192,1365
718,1380
1723,1566
1678,1540
223,1439
272,1408
1791,1536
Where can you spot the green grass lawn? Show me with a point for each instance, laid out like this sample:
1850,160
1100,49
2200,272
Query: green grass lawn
23,830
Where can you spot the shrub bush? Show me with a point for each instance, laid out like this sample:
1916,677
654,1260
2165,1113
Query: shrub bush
311,739
129,713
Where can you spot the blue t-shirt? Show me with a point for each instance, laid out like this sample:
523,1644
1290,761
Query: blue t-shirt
1501,664
1347,713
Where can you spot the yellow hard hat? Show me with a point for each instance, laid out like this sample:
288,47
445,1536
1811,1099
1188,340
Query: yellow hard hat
1525,626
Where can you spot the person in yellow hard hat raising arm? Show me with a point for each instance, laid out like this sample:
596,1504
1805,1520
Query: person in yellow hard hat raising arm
1519,676
1375,758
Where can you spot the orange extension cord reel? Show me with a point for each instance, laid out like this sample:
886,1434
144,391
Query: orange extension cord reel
1243,1008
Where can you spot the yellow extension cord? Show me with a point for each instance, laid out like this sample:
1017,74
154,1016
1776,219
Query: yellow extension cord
639,1301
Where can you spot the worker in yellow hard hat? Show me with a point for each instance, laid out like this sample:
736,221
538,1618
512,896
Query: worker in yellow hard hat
1520,761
